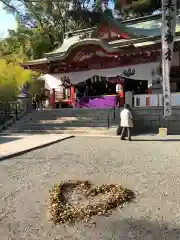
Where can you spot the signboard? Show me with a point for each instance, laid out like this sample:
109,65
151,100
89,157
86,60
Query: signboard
168,35
59,94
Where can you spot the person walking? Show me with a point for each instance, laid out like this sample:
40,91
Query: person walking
126,122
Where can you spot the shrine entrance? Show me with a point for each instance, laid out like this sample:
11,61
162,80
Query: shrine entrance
96,86
99,92
136,86
106,92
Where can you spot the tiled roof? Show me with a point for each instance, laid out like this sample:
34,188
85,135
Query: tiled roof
68,42
145,28
151,28
143,31
36,61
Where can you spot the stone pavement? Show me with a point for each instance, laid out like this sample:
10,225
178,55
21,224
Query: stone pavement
150,166
17,144
14,145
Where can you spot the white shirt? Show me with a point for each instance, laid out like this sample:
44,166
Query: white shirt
126,118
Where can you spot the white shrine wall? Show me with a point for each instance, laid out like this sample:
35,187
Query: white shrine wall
140,72
135,72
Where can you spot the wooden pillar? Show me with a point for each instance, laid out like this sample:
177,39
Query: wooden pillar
72,97
148,98
149,90
122,95
52,98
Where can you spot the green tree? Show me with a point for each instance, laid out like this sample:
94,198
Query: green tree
12,77
144,7
41,25
51,17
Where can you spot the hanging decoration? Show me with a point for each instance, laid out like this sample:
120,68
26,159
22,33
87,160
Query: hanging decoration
121,4
118,88
129,72
168,35
104,4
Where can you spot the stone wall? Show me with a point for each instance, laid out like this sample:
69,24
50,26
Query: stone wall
148,120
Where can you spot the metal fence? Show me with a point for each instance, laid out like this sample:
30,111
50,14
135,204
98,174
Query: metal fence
13,110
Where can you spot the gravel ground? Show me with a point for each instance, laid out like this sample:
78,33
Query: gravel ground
150,168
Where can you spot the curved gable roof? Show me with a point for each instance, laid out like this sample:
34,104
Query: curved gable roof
66,48
68,42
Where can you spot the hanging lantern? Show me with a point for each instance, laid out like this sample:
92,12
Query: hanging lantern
118,88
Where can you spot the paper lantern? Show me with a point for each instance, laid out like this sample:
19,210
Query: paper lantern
118,88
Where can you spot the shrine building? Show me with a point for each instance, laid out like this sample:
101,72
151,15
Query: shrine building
98,65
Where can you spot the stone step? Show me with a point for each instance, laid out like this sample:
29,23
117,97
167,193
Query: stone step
34,128
89,131
60,120
65,129
68,113
50,126
43,116
84,110
70,125
70,120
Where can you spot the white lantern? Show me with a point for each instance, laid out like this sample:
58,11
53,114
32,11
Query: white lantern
118,88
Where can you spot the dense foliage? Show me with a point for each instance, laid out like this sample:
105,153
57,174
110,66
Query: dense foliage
12,78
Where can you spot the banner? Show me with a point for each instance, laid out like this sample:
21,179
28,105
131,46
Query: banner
168,36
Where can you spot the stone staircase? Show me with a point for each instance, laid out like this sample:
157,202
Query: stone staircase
77,121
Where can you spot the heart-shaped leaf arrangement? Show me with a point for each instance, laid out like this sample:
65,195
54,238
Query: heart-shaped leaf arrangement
72,201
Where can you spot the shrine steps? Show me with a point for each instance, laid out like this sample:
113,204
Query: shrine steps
70,121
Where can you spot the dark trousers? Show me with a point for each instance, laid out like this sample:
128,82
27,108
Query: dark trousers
124,129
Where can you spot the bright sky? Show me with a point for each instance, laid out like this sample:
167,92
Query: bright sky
7,21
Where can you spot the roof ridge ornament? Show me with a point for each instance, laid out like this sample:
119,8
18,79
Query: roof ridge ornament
84,36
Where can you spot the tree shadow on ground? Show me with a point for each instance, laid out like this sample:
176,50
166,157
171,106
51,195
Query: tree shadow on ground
6,139
156,140
142,229
130,229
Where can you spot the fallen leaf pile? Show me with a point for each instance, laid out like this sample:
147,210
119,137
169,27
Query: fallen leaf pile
72,201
